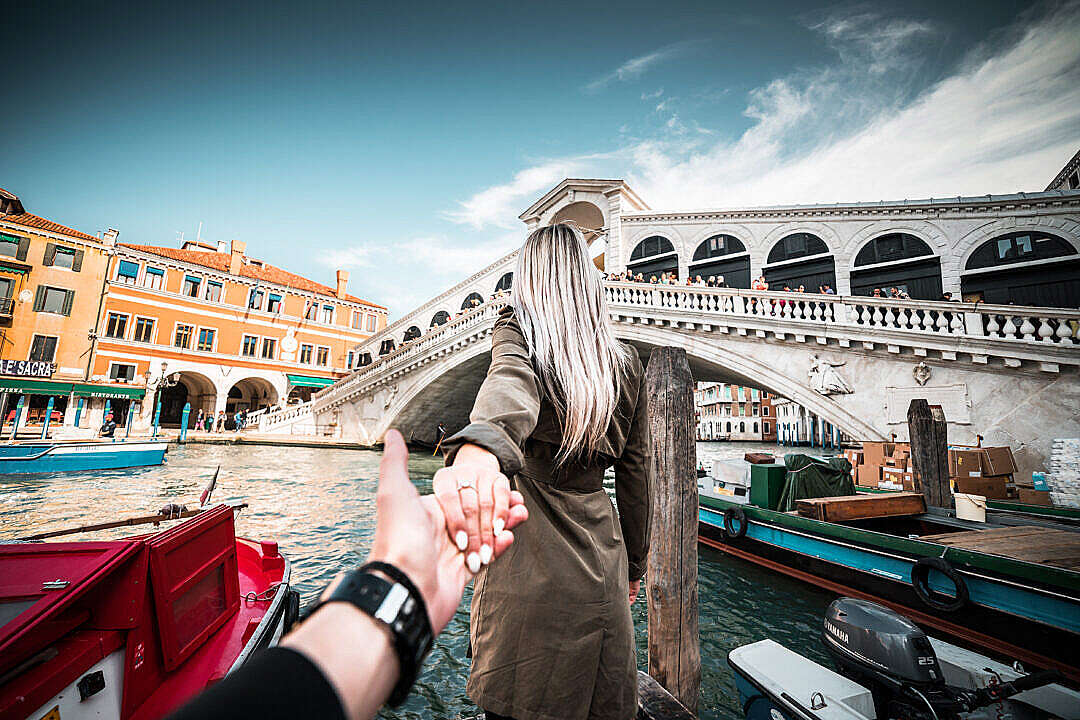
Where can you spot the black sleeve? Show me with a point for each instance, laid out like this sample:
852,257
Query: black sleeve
275,683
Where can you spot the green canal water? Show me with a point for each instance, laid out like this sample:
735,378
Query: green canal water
320,506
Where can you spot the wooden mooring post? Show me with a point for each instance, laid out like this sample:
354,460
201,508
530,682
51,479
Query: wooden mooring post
671,579
929,436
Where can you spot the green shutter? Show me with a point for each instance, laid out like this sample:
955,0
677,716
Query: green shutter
39,298
69,300
24,247
50,254
76,264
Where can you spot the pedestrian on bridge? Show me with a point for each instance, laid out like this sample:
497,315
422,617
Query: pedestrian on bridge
551,631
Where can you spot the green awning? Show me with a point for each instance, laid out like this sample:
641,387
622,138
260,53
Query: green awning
13,268
308,381
34,387
112,392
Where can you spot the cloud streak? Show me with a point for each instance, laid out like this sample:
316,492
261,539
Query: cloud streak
635,67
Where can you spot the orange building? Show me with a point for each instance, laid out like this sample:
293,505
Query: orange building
211,326
51,279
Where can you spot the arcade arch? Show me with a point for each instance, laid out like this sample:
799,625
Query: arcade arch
1008,269
588,218
254,393
801,258
899,260
474,299
724,256
192,387
654,255
440,318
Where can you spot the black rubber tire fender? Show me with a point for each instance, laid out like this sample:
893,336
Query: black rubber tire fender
731,516
920,574
291,611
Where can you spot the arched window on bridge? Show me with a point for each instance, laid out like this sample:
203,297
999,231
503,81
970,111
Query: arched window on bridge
411,334
365,359
800,259
474,300
1012,268
897,260
505,282
655,255
386,347
722,255
440,318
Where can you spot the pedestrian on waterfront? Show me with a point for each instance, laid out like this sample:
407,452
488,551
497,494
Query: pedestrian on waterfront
199,420
220,421
551,631
108,427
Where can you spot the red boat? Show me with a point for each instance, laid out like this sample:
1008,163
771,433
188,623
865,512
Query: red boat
132,628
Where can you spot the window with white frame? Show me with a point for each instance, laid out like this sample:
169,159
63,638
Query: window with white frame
269,348
213,291
144,329
182,337
305,353
312,311
322,356
122,372
127,272
371,323
116,325
357,320
249,347
273,303
327,314
154,278
191,286
43,348
255,299
206,339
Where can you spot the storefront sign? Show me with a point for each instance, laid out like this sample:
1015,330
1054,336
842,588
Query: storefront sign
27,368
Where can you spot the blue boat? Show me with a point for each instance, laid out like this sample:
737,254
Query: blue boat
1007,586
67,457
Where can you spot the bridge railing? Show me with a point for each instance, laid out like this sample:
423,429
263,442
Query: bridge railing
999,322
1006,325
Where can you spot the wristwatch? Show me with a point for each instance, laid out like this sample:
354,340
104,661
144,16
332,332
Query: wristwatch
400,607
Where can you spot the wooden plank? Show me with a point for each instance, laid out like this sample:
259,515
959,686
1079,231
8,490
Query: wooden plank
930,452
672,577
656,703
862,507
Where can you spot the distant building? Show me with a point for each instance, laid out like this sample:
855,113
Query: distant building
734,412
796,425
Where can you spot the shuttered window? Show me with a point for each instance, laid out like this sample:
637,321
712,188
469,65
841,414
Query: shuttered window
127,272
53,300
9,245
63,257
273,303
154,278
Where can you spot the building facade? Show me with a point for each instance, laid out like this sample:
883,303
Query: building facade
796,425
734,412
211,326
51,283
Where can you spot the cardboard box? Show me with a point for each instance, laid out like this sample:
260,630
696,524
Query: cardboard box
855,457
965,463
998,461
989,487
874,453
900,463
1034,497
868,475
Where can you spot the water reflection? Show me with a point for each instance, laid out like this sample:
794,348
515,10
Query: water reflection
320,507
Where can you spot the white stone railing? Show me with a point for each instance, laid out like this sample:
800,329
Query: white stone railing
1015,333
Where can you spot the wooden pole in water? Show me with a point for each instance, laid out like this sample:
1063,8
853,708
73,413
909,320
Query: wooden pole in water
672,575
930,452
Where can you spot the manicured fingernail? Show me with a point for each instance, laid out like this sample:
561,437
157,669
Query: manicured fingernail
473,563
497,525
485,553
461,540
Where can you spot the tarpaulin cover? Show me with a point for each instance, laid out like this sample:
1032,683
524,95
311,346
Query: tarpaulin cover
811,477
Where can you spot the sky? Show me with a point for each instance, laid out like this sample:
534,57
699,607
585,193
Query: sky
400,141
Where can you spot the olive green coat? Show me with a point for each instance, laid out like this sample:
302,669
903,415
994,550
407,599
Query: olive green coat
551,631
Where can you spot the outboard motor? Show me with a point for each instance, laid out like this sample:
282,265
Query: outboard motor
890,656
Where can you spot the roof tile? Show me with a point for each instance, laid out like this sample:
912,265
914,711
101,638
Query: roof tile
35,222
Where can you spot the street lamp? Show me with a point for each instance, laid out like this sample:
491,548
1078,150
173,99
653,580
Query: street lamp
163,382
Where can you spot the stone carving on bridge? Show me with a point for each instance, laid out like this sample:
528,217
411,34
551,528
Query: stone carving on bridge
390,395
921,373
824,378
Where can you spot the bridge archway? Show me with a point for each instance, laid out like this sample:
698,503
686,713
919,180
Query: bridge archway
587,216
724,256
654,255
900,260
440,318
800,258
412,333
505,282
1008,269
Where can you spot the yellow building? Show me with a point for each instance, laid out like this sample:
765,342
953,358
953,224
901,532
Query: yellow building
51,280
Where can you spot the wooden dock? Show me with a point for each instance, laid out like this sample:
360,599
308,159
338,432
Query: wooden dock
1034,544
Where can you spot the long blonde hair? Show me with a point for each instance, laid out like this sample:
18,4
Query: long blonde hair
561,306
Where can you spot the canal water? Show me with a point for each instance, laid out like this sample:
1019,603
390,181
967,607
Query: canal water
320,506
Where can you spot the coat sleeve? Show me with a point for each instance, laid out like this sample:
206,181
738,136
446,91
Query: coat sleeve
633,487
508,403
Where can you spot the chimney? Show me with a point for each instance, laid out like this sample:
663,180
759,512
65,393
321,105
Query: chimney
342,281
222,247
110,237
236,256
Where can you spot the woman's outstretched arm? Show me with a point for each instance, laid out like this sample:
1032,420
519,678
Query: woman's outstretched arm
633,490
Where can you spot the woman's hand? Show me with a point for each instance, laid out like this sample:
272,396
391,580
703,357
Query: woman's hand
635,588
478,505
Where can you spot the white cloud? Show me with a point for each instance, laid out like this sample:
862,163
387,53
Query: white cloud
652,95
636,66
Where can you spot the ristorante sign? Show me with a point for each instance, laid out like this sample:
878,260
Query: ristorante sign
27,368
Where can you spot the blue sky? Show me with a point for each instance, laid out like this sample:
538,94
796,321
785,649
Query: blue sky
401,141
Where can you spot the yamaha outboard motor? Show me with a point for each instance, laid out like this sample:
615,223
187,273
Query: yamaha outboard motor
890,656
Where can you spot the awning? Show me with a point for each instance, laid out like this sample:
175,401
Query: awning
34,387
16,268
308,381
112,392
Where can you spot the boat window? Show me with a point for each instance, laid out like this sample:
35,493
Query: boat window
11,609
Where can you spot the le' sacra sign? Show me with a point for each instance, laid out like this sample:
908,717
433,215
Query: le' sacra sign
27,368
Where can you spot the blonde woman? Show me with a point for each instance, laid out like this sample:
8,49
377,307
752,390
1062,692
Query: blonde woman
551,631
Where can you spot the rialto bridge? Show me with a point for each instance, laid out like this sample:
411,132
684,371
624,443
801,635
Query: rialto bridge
1007,372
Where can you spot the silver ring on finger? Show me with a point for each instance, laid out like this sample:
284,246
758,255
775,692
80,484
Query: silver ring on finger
467,482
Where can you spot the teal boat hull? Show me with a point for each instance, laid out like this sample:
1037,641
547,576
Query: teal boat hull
37,458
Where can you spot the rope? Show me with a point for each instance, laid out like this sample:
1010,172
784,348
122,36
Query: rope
265,596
